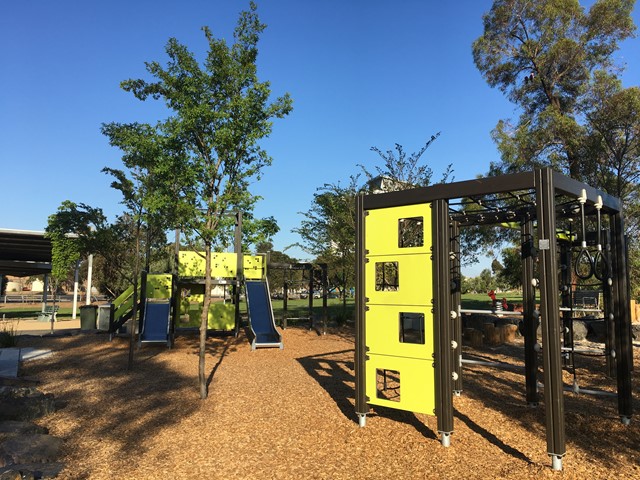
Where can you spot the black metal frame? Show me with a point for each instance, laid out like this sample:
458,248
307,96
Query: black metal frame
543,186
324,285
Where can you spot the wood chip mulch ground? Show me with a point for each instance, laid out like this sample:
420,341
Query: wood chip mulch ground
275,414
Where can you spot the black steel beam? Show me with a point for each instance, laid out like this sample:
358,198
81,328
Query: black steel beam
622,318
446,191
572,187
442,318
566,268
549,309
529,318
362,408
456,300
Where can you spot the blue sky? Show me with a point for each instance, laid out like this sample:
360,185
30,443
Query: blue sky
361,74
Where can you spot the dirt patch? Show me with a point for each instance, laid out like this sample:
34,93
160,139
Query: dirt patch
290,414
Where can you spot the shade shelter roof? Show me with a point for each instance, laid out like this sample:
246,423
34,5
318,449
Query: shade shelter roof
24,253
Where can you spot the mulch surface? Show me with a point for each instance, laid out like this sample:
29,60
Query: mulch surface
280,414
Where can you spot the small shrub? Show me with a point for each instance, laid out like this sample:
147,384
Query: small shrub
8,334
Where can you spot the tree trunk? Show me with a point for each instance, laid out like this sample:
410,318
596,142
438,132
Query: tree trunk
204,322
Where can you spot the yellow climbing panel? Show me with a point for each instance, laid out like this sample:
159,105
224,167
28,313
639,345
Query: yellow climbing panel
399,318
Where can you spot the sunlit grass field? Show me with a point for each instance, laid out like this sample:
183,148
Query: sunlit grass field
295,308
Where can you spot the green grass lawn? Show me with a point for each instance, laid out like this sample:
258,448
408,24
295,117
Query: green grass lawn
482,301
295,308
31,311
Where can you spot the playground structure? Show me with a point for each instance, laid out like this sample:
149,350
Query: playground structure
171,302
312,275
174,302
408,315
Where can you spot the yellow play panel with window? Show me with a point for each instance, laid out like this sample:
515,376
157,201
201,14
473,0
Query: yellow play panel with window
399,365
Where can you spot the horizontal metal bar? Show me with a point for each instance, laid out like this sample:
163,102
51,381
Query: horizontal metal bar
505,313
445,191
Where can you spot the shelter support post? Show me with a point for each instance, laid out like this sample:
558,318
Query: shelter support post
549,309
45,291
442,317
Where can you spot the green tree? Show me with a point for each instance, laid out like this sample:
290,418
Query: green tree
511,274
275,276
328,232
219,113
554,59
401,171
543,55
75,230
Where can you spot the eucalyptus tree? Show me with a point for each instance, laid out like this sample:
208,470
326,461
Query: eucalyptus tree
218,112
542,55
555,60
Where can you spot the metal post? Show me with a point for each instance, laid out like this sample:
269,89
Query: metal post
325,287
456,300
622,317
237,246
75,290
285,299
567,300
45,291
362,408
442,319
549,308
310,292
141,310
529,318
89,279
607,297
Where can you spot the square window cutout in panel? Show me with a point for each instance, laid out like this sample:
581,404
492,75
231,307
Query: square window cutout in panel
411,232
388,384
387,276
412,328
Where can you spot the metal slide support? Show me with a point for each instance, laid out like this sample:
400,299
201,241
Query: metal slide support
142,299
622,318
530,319
456,300
361,348
549,308
442,319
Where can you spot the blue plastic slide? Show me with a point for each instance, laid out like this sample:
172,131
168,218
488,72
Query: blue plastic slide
156,322
263,326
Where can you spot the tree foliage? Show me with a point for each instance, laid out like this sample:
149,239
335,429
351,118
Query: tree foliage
209,144
328,231
543,56
75,231
403,170
555,60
